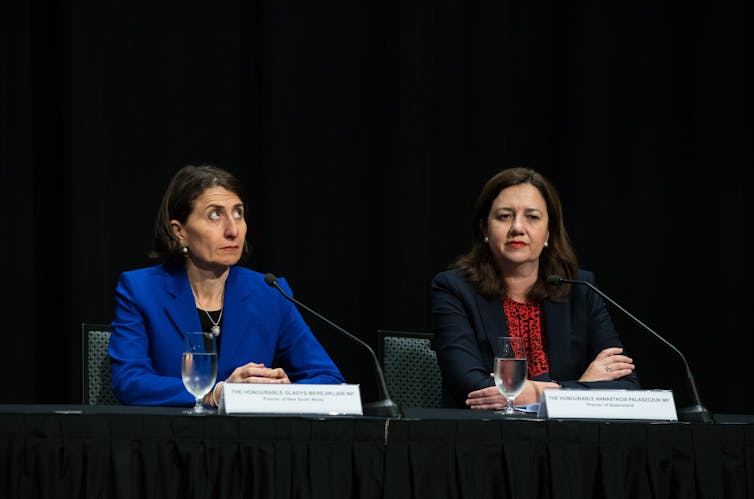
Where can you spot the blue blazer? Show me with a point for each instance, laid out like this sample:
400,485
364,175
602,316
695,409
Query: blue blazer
466,326
155,306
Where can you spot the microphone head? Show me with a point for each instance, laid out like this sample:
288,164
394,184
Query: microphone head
270,279
555,280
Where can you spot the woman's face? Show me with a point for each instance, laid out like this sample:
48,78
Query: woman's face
215,231
517,226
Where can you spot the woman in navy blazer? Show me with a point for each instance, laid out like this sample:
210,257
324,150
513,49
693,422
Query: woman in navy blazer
499,288
200,234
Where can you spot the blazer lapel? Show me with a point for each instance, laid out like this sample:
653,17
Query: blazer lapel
556,318
493,320
235,319
180,306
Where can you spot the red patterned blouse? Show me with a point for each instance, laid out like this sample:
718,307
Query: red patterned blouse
525,321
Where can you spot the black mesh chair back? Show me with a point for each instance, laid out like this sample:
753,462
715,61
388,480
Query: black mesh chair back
410,367
96,387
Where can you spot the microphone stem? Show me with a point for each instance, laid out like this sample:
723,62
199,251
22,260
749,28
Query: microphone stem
690,376
380,374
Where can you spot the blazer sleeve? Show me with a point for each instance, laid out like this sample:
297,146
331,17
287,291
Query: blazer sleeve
463,354
134,380
591,320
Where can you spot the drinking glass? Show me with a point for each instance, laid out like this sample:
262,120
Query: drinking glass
199,367
510,369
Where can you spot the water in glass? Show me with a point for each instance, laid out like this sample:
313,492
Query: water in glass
199,366
510,369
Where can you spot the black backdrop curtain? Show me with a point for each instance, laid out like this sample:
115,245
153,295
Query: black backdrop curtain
363,132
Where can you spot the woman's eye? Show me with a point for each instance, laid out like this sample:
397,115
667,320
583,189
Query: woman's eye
214,215
534,217
238,214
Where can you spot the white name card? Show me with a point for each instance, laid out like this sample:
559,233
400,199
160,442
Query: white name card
253,398
654,405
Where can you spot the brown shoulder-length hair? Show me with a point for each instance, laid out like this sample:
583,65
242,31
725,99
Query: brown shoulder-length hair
558,258
184,188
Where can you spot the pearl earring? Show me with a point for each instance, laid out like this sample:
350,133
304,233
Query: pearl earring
184,250
547,244
486,239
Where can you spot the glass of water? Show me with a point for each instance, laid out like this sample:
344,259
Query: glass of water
510,369
199,367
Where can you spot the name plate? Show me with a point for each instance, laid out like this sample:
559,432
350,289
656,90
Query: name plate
261,398
654,405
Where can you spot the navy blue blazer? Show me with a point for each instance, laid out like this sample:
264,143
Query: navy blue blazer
155,306
466,326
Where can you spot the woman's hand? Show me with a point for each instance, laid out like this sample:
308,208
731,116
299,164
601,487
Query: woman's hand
257,373
609,364
248,373
486,398
491,398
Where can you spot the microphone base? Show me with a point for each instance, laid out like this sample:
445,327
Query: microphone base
383,408
695,414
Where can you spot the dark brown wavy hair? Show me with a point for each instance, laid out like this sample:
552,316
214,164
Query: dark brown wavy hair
558,258
184,188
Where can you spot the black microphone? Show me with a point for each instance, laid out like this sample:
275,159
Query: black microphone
385,407
697,413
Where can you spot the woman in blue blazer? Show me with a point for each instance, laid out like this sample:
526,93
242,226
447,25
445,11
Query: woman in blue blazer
500,288
200,234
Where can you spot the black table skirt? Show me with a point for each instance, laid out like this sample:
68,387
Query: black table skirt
129,453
